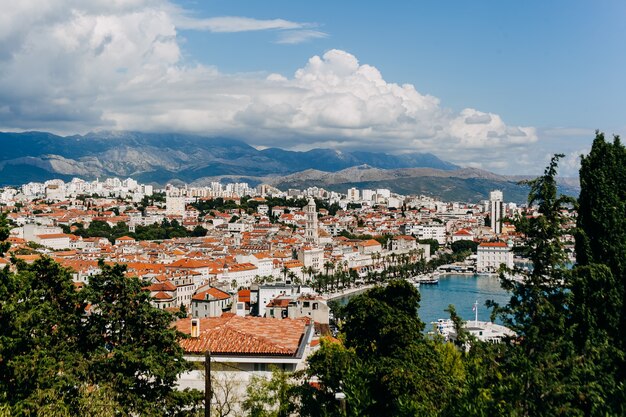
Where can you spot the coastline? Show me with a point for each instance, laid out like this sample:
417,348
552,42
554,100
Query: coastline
349,291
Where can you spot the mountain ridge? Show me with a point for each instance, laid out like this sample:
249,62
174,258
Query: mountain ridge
160,158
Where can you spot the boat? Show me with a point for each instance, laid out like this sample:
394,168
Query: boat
428,279
484,331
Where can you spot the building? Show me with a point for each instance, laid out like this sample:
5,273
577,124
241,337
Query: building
293,307
312,258
243,347
491,255
174,206
310,231
210,303
496,208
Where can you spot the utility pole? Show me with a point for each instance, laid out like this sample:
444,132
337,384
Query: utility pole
207,384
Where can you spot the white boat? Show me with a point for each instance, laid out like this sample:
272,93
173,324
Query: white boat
426,279
484,331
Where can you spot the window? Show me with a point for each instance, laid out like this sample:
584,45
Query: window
260,367
314,306
305,304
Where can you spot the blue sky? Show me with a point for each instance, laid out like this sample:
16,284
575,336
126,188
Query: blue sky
492,84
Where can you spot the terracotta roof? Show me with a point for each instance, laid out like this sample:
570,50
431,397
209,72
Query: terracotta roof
162,286
214,293
234,335
162,296
189,263
462,232
370,242
493,245
279,302
53,236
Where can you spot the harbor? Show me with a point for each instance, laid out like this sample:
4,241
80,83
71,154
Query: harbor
461,290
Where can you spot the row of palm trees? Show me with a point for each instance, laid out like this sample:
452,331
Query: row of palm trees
337,275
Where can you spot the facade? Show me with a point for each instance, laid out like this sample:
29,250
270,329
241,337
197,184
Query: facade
210,303
175,206
312,258
491,255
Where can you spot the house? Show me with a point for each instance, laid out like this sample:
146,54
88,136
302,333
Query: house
403,243
124,240
242,347
210,303
462,234
369,246
490,255
304,305
54,241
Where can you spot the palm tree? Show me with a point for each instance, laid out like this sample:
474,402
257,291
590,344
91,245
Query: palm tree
285,271
328,265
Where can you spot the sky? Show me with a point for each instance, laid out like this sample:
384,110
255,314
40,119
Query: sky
489,84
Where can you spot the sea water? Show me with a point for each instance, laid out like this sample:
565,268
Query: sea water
460,290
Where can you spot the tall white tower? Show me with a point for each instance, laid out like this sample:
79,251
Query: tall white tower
496,209
310,232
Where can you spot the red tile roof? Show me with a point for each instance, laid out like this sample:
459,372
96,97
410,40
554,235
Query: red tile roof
215,293
234,335
493,245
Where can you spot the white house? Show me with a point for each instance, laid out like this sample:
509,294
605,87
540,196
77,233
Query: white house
491,255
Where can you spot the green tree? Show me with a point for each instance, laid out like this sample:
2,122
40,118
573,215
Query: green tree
270,397
464,246
120,356
130,345
538,362
599,279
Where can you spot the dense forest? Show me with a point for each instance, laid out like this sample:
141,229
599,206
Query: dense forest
567,358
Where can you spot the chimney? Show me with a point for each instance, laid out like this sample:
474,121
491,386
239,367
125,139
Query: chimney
195,328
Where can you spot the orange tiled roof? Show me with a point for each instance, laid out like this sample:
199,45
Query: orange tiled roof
162,296
370,242
493,245
213,292
234,335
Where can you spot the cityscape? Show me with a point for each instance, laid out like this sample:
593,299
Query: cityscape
312,209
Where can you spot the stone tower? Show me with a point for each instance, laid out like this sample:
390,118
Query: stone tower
310,232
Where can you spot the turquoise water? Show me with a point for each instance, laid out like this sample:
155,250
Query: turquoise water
462,291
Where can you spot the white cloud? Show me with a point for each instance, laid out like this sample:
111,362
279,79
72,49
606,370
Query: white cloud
229,24
117,65
293,37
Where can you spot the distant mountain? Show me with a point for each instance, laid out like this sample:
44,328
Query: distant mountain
466,184
175,158
160,158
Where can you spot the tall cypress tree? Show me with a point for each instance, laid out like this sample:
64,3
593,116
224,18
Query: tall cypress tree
601,240
599,280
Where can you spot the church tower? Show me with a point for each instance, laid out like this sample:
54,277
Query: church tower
310,232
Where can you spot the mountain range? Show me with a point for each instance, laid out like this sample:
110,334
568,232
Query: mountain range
160,158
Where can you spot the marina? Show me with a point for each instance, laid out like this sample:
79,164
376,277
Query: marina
461,290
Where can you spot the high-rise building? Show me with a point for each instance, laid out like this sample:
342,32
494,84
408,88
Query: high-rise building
496,209
310,231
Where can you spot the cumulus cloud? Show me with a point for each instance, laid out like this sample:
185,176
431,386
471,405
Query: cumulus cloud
81,66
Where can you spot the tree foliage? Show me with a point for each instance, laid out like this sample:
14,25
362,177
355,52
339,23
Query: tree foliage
103,350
